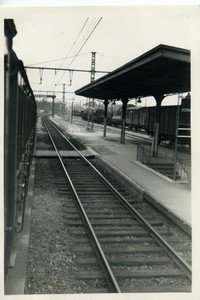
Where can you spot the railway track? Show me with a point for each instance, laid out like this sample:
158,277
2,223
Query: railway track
120,245
129,133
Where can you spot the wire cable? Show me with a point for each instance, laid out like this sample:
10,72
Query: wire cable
95,26
81,47
86,40
72,47
75,40
53,60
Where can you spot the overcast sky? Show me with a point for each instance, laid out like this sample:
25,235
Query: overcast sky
46,36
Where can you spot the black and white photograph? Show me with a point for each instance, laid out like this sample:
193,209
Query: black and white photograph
99,135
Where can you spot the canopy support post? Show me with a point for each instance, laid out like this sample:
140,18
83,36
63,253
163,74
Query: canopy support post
105,116
123,124
159,99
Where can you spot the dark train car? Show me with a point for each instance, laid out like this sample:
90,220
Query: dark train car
86,114
130,116
184,114
168,120
76,113
149,125
168,123
136,117
20,113
99,116
116,118
143,118
184,131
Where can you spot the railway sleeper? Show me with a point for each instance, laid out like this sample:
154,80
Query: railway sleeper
132,274
104,222
96,204
157,289
131,261
116,240
114,233
124,250
144,289
132,229
107,215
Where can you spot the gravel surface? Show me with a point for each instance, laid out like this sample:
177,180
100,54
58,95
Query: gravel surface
51,265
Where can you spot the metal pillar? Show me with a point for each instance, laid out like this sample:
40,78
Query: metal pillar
63,104
72,109
53,97
105,116
123,124
176,135
63,92
159,99
92,78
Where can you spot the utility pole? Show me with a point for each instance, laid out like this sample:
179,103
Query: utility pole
63,104
92,78
63,99
63,92
72,108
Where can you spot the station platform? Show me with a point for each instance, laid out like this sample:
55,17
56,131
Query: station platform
174,197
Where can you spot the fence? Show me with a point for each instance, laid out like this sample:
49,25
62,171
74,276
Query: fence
180,165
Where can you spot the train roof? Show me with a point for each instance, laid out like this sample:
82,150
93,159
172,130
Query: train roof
162,70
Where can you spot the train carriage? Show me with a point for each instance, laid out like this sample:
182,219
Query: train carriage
116,118
168,122
143,118
20,113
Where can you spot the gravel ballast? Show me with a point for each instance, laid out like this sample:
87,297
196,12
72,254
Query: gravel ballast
50,264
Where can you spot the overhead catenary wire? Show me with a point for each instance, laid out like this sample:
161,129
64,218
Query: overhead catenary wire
86,40
86,36
82,46
108,57
81,30
53,60
75,41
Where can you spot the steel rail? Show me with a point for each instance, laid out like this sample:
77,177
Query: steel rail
128,134
111,280
184,266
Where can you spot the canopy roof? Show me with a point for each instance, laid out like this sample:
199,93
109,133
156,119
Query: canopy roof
162,70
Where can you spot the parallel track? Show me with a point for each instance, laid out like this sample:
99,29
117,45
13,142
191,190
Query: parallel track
131,253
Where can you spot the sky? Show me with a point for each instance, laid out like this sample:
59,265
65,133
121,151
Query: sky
56,37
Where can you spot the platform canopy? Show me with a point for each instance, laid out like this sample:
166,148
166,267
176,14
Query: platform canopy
160,71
